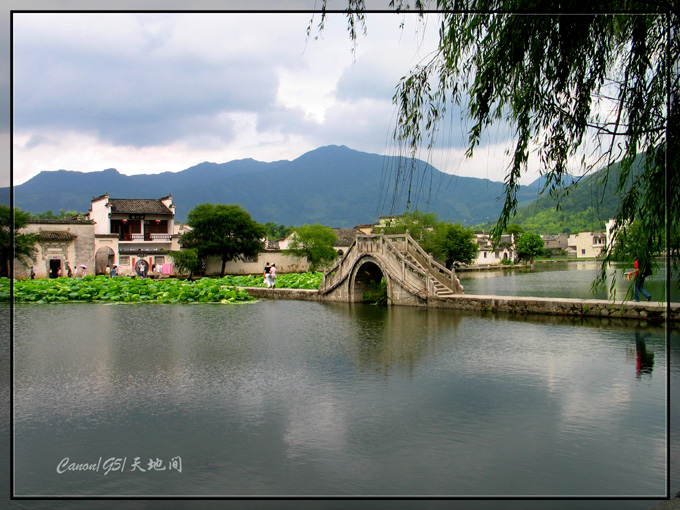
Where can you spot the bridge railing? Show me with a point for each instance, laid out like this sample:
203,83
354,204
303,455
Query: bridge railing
397,246
413,277
443,275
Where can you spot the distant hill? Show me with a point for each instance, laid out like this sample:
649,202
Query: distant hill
584,205
332,185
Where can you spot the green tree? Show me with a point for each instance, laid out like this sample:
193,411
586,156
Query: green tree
225,231
186,260
314,242
529,246
14,245
454,243
419,224
515,229
275,231
565,80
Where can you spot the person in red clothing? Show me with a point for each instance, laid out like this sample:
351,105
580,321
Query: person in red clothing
640,275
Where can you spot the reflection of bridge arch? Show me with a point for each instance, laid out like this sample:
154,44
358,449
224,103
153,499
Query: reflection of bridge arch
412,275
366,274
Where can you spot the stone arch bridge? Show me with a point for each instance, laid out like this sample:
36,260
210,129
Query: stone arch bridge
412,276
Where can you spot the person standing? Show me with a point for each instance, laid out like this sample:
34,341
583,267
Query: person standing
640,275
267,269
32,273
272,275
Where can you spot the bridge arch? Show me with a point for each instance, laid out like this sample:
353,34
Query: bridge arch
368,271
412,276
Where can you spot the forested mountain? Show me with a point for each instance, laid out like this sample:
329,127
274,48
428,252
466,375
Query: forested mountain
585,205
332,185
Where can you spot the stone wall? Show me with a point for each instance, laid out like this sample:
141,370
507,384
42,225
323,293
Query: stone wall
515,305
564,306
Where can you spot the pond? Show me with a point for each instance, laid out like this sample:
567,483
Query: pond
562,280
286,398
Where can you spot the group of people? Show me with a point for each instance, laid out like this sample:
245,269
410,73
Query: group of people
69,272
270,275
111,272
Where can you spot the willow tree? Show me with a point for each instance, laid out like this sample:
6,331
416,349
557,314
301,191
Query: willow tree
575,80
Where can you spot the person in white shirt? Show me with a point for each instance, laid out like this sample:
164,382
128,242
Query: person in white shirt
272,275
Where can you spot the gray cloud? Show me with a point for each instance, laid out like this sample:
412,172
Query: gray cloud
140,100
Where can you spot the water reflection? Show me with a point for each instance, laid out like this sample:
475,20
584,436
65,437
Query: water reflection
398,338
644,358
281,398
565,280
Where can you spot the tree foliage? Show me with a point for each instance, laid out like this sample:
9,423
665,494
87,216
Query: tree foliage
530,246
570,82
49,215
419,224
454,243
14,244
445,241
186,261
275,231
315,242
515,230
225,231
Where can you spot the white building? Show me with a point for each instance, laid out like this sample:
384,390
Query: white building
587,244
490,254
134,233
61,244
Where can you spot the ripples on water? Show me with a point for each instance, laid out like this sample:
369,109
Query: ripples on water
293,398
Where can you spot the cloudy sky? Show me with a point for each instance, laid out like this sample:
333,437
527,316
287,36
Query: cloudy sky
163,91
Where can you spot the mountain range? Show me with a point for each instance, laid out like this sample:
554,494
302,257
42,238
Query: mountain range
332,185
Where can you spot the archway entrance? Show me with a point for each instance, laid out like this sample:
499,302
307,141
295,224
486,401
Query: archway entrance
104,257
369,283
142,268
55,267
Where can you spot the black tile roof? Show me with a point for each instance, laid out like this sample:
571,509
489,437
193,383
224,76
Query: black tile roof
138,206
56,236
346,236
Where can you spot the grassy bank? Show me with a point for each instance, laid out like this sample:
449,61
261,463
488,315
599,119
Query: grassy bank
132,290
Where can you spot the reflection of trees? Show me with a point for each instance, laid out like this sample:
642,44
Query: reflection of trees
388,338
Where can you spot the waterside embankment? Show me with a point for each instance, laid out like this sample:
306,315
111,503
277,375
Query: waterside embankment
517,305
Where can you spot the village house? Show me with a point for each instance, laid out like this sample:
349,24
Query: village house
490,254
136,234
586,244
554,243
62,243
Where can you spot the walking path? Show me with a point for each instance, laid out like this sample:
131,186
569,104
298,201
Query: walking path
516,305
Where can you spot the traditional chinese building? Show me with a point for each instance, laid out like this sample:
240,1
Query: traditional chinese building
134,233
61,243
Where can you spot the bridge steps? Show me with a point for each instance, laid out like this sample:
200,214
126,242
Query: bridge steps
440,290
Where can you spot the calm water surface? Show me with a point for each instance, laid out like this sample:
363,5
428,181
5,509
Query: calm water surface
290,398
563,279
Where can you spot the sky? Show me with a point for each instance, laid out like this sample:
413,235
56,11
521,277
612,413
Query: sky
162,91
